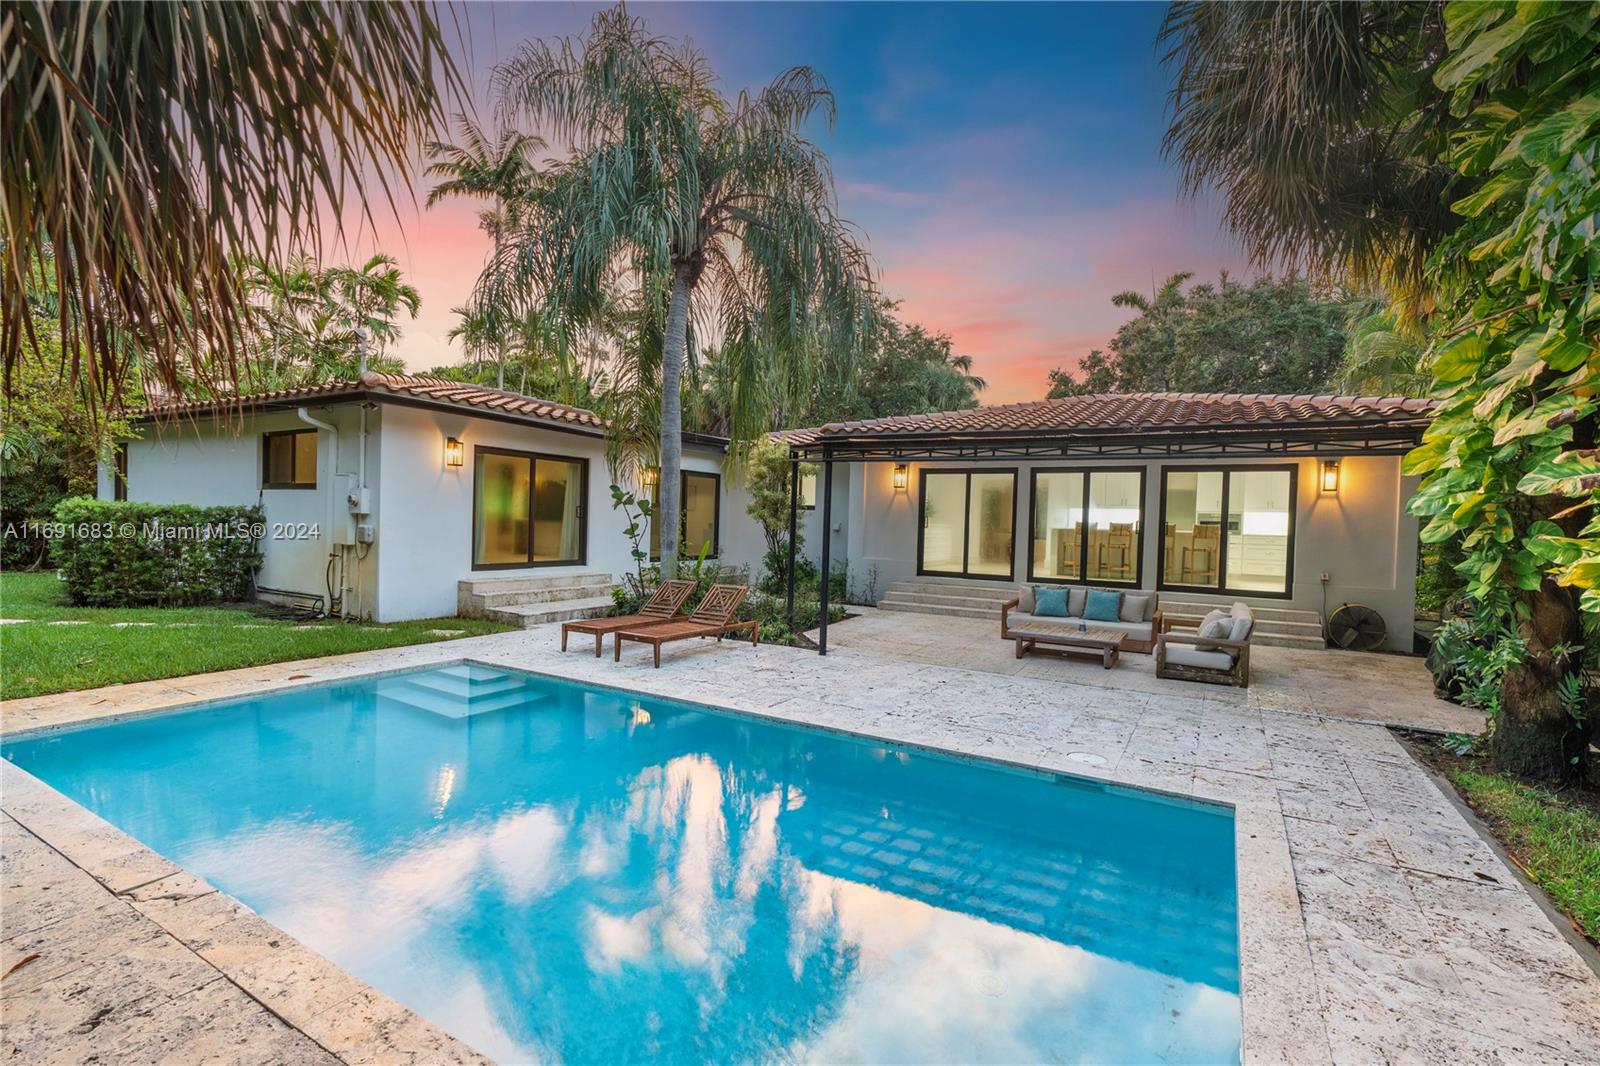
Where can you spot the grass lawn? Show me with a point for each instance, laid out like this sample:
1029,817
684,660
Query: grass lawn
107,646
1553,836
1556,839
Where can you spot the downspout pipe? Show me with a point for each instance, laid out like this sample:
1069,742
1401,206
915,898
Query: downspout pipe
335,551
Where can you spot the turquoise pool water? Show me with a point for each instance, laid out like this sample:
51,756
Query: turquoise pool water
553,871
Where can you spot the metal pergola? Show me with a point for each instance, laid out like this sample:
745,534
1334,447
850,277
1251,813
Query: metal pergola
1387,436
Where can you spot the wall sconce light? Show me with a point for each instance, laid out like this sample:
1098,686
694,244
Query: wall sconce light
649,476
454,453
902,476
1329,483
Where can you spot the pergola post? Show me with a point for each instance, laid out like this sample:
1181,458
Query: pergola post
827,539
794,515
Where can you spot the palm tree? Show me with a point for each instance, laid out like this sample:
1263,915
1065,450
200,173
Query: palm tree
500,171
369,299
153,146
1383,356
715,210
1321,125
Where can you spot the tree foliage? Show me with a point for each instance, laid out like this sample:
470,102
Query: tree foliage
308,320
1273,335
149,146
1320,124
712,211
1510,462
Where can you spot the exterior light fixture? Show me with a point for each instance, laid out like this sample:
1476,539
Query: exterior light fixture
454,453
649,476
1329,483
902,476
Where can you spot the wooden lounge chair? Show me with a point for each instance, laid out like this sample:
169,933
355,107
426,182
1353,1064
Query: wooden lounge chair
663,604
712,618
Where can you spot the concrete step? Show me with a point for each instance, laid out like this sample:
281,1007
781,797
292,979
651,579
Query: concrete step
1173,604
991,614
534,583
552,594
944,599
1280,640
533,614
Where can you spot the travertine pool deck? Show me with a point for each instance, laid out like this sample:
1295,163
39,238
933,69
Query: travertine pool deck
1376,924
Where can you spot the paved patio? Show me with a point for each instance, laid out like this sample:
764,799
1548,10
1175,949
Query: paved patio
1376,924
1390,689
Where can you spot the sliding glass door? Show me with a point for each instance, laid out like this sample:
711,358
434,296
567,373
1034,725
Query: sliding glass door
1229,529
967,526
1088,525
527,509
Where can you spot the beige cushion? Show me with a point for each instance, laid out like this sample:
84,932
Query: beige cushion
1025,599
1243,621
1216,625
1135,607
1075,599
1183,655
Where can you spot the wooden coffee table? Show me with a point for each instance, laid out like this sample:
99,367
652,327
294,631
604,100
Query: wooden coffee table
1106,644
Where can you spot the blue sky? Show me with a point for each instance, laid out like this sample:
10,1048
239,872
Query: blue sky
1003,161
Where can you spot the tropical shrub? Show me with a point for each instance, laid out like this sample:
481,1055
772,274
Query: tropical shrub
1510,463
115,554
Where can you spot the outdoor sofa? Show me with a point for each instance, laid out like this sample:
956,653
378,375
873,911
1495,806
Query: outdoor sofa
1138,616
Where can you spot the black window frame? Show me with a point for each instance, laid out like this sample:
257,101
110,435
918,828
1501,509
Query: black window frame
816,483
1222,587
966,516
1083,545
683,515
533,482
119,472
266,459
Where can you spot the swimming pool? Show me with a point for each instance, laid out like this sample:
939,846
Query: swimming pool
552,871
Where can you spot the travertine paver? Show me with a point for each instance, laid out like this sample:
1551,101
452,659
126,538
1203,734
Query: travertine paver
1375,923
1392,689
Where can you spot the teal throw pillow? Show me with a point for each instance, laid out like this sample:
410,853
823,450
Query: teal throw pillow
1102,606
1050,602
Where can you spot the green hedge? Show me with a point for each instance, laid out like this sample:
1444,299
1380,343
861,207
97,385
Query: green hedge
135,554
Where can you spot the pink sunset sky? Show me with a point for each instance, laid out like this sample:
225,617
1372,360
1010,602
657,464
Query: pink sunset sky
1003,163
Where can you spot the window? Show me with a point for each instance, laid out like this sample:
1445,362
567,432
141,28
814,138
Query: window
1228,529
967,524
808,489
700,522
527,509
289,460
119,472
1087,525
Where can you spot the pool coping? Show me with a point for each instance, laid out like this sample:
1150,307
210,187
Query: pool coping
1279,1001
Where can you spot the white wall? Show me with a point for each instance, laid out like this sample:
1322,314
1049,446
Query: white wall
425,523
218,463
421,509
1361,537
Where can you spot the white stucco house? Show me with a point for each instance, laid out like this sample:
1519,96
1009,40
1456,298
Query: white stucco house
395,497
1294,505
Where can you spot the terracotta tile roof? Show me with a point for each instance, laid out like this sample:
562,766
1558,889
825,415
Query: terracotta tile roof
414,386
1123,412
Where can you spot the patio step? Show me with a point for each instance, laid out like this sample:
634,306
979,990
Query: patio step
1279,627
531,601
1282,627
946,597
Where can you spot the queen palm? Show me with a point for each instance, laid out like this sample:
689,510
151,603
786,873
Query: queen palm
500,171
717,211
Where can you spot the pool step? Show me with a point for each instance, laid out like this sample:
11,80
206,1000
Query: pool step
531,601
457,692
